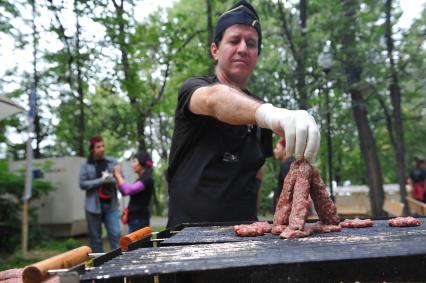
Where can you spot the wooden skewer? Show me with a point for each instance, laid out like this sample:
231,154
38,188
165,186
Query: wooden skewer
38,272
125,241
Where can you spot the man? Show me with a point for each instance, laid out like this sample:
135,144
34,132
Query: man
280,154
218,145
101,204
417,180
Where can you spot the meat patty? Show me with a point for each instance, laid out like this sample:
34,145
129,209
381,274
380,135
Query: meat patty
404,222
319,227
252,230
356,223
289,233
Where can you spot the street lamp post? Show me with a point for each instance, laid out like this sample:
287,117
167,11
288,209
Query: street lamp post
326,61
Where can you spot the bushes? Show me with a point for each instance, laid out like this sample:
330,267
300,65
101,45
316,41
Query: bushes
11,190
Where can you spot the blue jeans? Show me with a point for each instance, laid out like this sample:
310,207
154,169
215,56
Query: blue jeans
110,218
137,223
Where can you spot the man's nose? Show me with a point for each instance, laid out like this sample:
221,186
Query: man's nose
242,47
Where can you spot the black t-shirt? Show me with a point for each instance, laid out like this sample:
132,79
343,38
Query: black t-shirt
213,165
139,202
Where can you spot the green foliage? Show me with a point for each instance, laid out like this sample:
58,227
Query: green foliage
16,261
269,183
44,248
60,245
11,190
8,11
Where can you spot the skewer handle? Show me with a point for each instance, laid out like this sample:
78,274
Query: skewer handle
126,240
38,272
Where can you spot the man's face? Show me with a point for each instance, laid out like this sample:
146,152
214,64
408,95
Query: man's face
237,53
99,150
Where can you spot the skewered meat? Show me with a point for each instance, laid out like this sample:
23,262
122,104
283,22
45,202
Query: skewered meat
404,222
293,206
283,208
318,227
303,180
278,229
356,223
324,206
300,206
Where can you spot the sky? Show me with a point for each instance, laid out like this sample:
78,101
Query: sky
10,57
411,10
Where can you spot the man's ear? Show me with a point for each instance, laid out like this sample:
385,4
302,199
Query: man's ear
213,50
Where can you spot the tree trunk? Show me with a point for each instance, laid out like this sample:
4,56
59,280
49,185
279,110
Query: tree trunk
162,133
353,70
80,92
37,123
301,56
78,135
141,133
395,96
298,51
129,76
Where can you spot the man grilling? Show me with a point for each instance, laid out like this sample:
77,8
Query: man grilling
223,132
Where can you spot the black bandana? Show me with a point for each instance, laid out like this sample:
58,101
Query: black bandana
241,13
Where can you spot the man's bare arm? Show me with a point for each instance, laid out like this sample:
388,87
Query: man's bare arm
232,106
225,103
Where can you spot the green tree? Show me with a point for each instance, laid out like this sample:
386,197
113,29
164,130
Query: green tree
11,189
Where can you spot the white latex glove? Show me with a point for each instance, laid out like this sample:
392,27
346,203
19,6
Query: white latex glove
107,177
298,127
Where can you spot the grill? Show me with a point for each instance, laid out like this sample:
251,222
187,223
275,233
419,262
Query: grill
212,253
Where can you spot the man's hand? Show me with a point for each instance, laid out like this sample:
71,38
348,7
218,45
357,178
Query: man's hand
107,177
298,127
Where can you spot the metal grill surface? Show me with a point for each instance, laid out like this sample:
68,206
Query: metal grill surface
379,241
223,234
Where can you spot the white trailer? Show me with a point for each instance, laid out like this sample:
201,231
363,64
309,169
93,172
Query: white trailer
62,210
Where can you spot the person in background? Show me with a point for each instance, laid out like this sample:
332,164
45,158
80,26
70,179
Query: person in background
280,154
417,180
101,203
222,131
140,191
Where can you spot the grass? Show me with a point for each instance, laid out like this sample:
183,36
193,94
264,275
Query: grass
42,251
